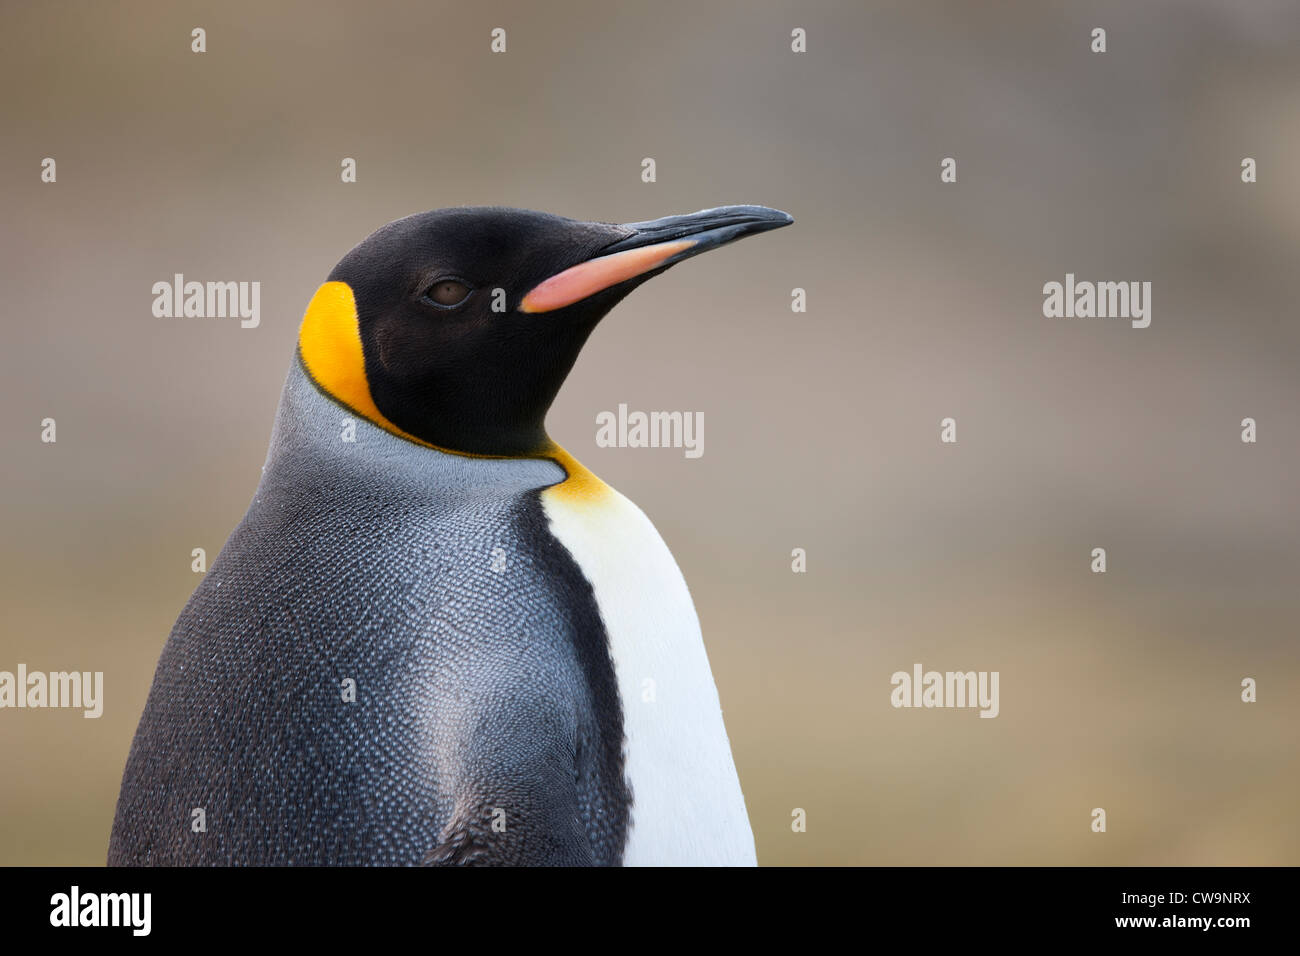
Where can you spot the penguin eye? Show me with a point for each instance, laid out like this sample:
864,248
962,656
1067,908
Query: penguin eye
447,293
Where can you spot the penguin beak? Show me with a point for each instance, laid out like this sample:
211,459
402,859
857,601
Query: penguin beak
650,247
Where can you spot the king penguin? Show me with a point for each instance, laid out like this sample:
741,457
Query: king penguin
429,639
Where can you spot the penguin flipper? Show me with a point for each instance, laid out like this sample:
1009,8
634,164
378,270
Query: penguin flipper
516,799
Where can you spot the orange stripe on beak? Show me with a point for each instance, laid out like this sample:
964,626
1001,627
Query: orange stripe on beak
587,278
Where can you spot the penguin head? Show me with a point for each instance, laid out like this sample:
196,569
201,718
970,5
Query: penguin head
455,328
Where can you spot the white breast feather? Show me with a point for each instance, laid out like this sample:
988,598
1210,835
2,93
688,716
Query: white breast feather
687,806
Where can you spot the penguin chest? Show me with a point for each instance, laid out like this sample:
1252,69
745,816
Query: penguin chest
687,806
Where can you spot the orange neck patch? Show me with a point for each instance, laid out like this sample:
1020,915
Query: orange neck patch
329,343
582,486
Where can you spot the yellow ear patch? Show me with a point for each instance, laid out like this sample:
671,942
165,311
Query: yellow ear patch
330,344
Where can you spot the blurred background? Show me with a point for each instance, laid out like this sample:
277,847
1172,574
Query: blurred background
1118,690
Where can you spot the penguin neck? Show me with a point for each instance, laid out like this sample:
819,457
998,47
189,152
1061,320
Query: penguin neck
312,425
